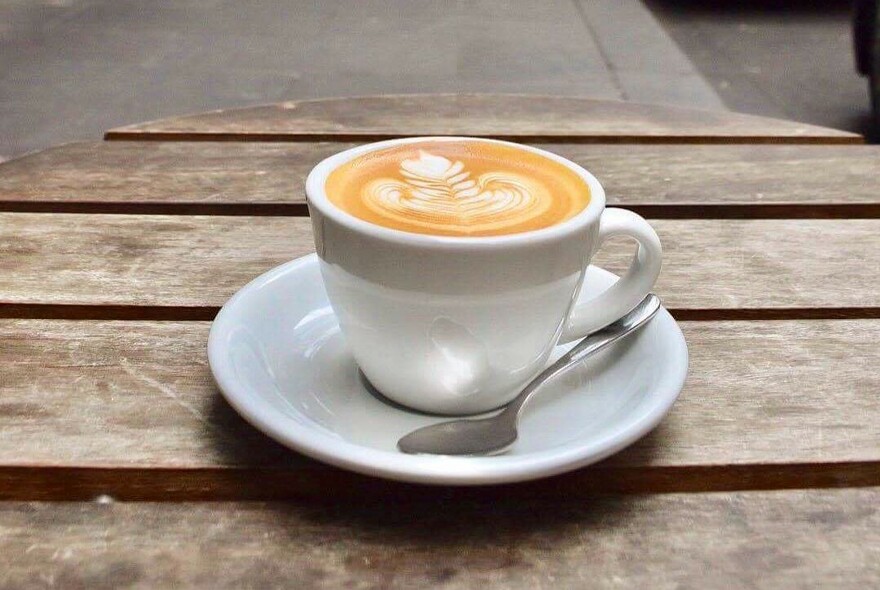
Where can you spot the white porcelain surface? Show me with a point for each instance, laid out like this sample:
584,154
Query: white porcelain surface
278,356
457,325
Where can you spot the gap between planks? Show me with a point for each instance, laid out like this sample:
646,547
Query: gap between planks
670,211
519,138
72,483
49,311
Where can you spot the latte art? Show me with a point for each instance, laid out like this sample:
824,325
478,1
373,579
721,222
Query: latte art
436,191
464,188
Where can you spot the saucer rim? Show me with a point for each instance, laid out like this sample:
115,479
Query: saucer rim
440,470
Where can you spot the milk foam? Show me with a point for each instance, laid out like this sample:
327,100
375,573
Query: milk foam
436,192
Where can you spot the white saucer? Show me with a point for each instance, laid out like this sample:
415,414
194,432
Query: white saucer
279,358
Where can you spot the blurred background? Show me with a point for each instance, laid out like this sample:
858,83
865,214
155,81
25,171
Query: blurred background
70,69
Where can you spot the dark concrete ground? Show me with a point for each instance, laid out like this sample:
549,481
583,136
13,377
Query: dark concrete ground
791,59
70,69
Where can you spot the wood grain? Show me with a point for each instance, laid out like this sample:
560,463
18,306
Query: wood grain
740,540
200,261
518,117
133,412
98,409
268,178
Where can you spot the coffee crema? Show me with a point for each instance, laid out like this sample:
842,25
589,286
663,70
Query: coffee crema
458,188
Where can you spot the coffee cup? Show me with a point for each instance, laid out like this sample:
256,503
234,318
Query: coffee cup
452,307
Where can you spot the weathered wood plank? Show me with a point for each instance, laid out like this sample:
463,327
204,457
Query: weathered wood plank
267,178
739,540
134,413
200,261
535,118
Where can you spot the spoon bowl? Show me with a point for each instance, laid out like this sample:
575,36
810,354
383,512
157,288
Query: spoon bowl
484,436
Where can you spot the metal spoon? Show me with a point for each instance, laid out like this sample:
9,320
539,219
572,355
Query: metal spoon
487,436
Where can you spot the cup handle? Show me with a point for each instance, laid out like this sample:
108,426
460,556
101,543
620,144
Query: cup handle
627,292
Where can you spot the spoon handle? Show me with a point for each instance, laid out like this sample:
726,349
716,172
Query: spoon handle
593,343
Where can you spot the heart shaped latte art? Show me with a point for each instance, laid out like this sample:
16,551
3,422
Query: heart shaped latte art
436,193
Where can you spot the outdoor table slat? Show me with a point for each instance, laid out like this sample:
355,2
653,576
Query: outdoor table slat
133,412
517,117
710,266
786,539
268,178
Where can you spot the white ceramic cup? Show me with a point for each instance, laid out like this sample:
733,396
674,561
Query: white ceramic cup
458,325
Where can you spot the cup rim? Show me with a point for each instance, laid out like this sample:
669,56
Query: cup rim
317,197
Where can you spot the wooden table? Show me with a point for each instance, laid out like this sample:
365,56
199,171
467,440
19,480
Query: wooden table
117,254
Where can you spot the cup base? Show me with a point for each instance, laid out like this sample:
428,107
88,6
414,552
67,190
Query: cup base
374,391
